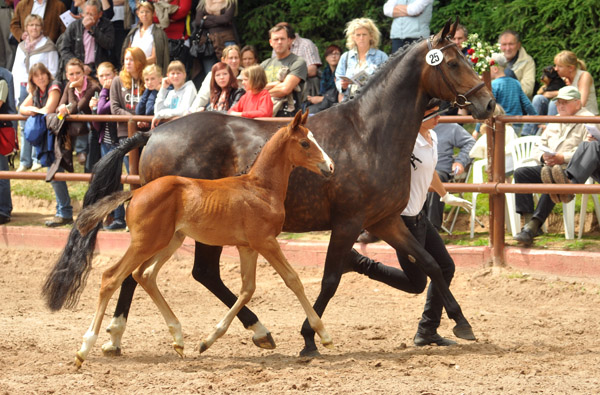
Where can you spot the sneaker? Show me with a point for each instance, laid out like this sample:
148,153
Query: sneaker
117,224
22,168
4,219
560,177
81,158
546,175
36,166
58,221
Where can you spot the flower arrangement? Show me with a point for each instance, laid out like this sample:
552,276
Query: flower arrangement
480,52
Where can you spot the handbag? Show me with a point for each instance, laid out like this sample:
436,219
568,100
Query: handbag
35,129
8,140
178,50
202,45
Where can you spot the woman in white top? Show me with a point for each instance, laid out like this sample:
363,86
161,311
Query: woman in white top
35,48
149,37
572,70
423,177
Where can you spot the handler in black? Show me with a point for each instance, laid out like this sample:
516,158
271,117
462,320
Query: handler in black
423,176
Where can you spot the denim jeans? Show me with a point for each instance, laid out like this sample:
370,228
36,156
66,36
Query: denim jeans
119,212
63,200
27,156
5,199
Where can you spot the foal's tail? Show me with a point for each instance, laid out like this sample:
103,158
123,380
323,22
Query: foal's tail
90,216
68,276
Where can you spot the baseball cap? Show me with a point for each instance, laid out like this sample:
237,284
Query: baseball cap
568,93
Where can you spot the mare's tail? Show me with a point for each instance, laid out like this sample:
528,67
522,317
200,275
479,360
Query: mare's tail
68,276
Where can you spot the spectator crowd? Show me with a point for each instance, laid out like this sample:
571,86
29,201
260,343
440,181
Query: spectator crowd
171,58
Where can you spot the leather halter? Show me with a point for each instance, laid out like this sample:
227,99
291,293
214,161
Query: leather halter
460,100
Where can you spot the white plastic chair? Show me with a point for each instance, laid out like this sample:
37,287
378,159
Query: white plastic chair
478,169
584,199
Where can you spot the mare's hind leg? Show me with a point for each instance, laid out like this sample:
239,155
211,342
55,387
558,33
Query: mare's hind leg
393,231
111,280
146,274
248,259
207,272
117,325
272,252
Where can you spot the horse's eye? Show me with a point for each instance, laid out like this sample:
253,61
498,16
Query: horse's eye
453,63
305,144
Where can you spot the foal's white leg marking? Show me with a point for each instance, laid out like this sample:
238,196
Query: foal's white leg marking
116,328
328,160
89,339
273,254
248,259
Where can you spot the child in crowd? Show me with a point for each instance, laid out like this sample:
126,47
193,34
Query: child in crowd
224,91
152,78
256,102
173,103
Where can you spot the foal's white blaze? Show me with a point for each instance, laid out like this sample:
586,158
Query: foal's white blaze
328,161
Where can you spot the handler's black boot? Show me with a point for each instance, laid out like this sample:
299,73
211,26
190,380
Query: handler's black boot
529,232
425,339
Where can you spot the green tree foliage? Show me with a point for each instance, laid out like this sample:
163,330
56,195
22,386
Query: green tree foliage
546,26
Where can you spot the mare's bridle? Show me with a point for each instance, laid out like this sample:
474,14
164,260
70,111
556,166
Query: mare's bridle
460,100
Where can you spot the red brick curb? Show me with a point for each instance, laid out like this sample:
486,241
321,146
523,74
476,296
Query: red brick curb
308,253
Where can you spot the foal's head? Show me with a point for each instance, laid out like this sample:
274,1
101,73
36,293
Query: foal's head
303,149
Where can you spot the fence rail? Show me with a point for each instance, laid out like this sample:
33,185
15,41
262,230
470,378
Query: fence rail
496,188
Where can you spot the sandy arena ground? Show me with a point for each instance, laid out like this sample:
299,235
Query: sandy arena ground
534,336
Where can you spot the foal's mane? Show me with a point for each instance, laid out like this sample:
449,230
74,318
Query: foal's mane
385,68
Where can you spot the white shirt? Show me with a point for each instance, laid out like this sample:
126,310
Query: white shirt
412,9
145,42
21,74
421,173
39,9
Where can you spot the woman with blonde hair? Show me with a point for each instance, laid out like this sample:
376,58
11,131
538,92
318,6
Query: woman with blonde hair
362,59
573,72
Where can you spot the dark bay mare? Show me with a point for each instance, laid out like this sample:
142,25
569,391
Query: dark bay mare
370,138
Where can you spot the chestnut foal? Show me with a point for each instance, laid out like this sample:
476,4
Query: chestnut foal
245,211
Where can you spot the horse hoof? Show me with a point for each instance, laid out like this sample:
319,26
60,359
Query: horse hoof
310,353
328,344
464,331
203,347
78,360
108,350
179,349
265,342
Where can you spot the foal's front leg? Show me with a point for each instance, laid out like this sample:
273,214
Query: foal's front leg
273,254
248,258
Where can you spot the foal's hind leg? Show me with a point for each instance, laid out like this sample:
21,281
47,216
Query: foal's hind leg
272,252
248,259
111,280
146,274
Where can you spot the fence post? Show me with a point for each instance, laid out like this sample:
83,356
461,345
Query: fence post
498,200
134,155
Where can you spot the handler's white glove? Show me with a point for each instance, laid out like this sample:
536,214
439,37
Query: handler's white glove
456,201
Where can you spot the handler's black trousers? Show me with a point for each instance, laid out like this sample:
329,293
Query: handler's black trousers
411,278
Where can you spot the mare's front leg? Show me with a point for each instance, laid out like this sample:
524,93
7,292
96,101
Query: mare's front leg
272,252
207,272
341,241
393,231
248,258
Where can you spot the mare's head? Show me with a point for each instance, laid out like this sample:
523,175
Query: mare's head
449,76
302,148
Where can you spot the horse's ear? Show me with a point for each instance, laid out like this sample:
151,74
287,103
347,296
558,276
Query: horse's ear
443,33
297,120
453,28
304,118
